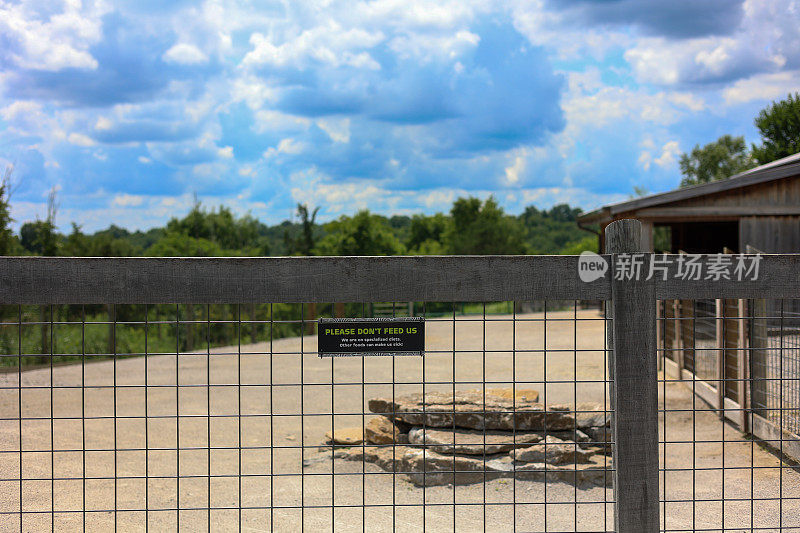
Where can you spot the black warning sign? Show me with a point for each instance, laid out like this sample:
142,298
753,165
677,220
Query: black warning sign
371,336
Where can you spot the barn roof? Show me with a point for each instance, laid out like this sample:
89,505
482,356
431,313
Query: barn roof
776,170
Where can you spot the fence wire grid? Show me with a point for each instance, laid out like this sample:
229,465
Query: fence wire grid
223,417
729,421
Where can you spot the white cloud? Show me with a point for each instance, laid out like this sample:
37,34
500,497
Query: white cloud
127,200
558,32
762,87
254,91
690,101
145,160
51,41
337,129
103,124
766,42
425,47
669,154
667,158
645,159
225,152
329,43
185,54
420,14
513,171
590,101
268,120
285,146
20,109
79,139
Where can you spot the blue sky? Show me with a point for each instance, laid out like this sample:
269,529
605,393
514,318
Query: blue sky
131,108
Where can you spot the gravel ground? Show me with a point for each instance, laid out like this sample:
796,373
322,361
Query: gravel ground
84,418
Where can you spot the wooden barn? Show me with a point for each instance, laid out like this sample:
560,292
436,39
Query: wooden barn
760,208
741,356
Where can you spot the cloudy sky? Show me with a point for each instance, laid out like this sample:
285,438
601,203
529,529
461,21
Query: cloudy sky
130,108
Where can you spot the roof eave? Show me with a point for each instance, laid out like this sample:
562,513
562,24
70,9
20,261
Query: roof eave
744,179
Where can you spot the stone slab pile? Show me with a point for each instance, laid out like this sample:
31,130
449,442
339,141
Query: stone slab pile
476,435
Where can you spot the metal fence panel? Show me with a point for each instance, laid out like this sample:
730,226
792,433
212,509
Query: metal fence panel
109,420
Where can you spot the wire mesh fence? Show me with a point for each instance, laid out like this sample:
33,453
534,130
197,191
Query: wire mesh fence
775,341
725,463
529,411
109,421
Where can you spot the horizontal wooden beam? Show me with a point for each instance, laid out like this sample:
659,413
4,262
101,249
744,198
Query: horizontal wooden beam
714,212
776,278
778,439
81,280
84,280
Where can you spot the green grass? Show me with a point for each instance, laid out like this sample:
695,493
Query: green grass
73,333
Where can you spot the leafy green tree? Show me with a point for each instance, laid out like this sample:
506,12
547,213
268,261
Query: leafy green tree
482,228
588,243
400,224
425,234
7,241
181,245
779,124
428,247
220,227
362,234
28,236
40,237
718,160
77,243
564,213
304,243
48,237
549,231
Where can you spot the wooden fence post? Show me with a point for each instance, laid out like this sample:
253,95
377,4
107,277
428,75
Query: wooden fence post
759,345
741,363
659,337
680,345
720,350
635,388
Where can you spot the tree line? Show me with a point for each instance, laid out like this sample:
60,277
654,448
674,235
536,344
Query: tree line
74,332
473,226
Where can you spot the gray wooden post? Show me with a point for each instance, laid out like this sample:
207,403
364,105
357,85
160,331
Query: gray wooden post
635,390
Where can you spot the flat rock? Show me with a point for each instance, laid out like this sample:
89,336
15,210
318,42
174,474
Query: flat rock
345,436
576,435
382,430
596,471
467,410
527,395
390,458
469,441
592,415
553,451
428,468
599,438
